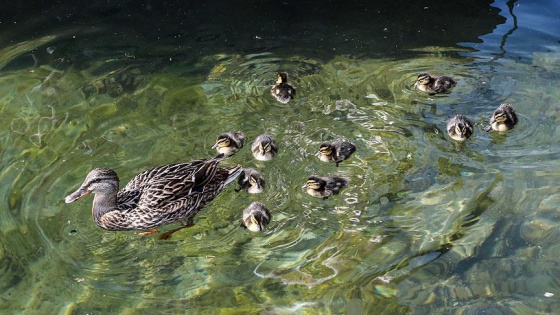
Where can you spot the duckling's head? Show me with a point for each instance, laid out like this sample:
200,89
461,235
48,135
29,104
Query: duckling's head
462,132
256,217
256,184
252,181
282,78
315,183
228,143
503,118
424,78
98,181
459,128
326,148
264,148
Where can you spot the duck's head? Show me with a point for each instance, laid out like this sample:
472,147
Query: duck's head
256,217
314,183
282,77
228,143
223,141
463,130
266,148
256,183
423,78
326,149
98,181
500,117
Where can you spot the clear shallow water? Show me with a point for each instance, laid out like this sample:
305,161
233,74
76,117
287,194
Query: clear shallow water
425,226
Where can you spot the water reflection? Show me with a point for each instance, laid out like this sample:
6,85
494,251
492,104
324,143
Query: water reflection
425,225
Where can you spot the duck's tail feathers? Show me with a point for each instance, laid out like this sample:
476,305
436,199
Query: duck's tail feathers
233,173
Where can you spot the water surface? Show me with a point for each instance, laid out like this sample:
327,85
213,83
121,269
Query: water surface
426,225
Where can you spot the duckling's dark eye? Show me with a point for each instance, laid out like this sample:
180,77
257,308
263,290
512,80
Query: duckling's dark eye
500,117
224,142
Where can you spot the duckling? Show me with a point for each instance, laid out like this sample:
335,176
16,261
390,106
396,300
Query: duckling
256,217
229,142
503,119
264,148
250,180
337,151
282,91
434,84
324,186
459,128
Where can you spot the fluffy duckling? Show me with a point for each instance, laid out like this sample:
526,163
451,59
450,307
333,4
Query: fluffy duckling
229,142
337,151
250,180
264,148
324,186
256,217
282,91
459,128
503,119
434,84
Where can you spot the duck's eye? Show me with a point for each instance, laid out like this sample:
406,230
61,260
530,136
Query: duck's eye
458,130
223,142
266,147
500,117
325,151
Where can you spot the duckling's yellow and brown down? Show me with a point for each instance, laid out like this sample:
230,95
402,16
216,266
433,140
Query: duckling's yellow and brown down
459,128
336,151
324,186
228,143
434,84
282,91
256,217
503,118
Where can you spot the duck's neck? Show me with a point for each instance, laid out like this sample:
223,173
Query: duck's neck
103,203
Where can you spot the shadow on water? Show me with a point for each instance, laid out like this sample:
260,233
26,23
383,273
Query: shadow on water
130,85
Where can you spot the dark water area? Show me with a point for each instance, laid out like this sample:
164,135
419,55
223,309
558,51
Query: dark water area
426,225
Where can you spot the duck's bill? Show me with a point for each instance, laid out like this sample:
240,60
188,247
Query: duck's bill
82,192
487,128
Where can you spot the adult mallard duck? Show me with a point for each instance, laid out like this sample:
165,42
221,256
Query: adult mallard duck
336,151
503,119
264,148
434,84
282,91
459,128
251,180
324,186
229,142
162,195
256,217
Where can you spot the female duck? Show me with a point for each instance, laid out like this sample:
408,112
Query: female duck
251,180
459,128
434,84
256,217
264,148
162,195
282,91
503,119
229,142
324,186
337,151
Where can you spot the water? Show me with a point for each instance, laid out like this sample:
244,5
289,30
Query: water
425,226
